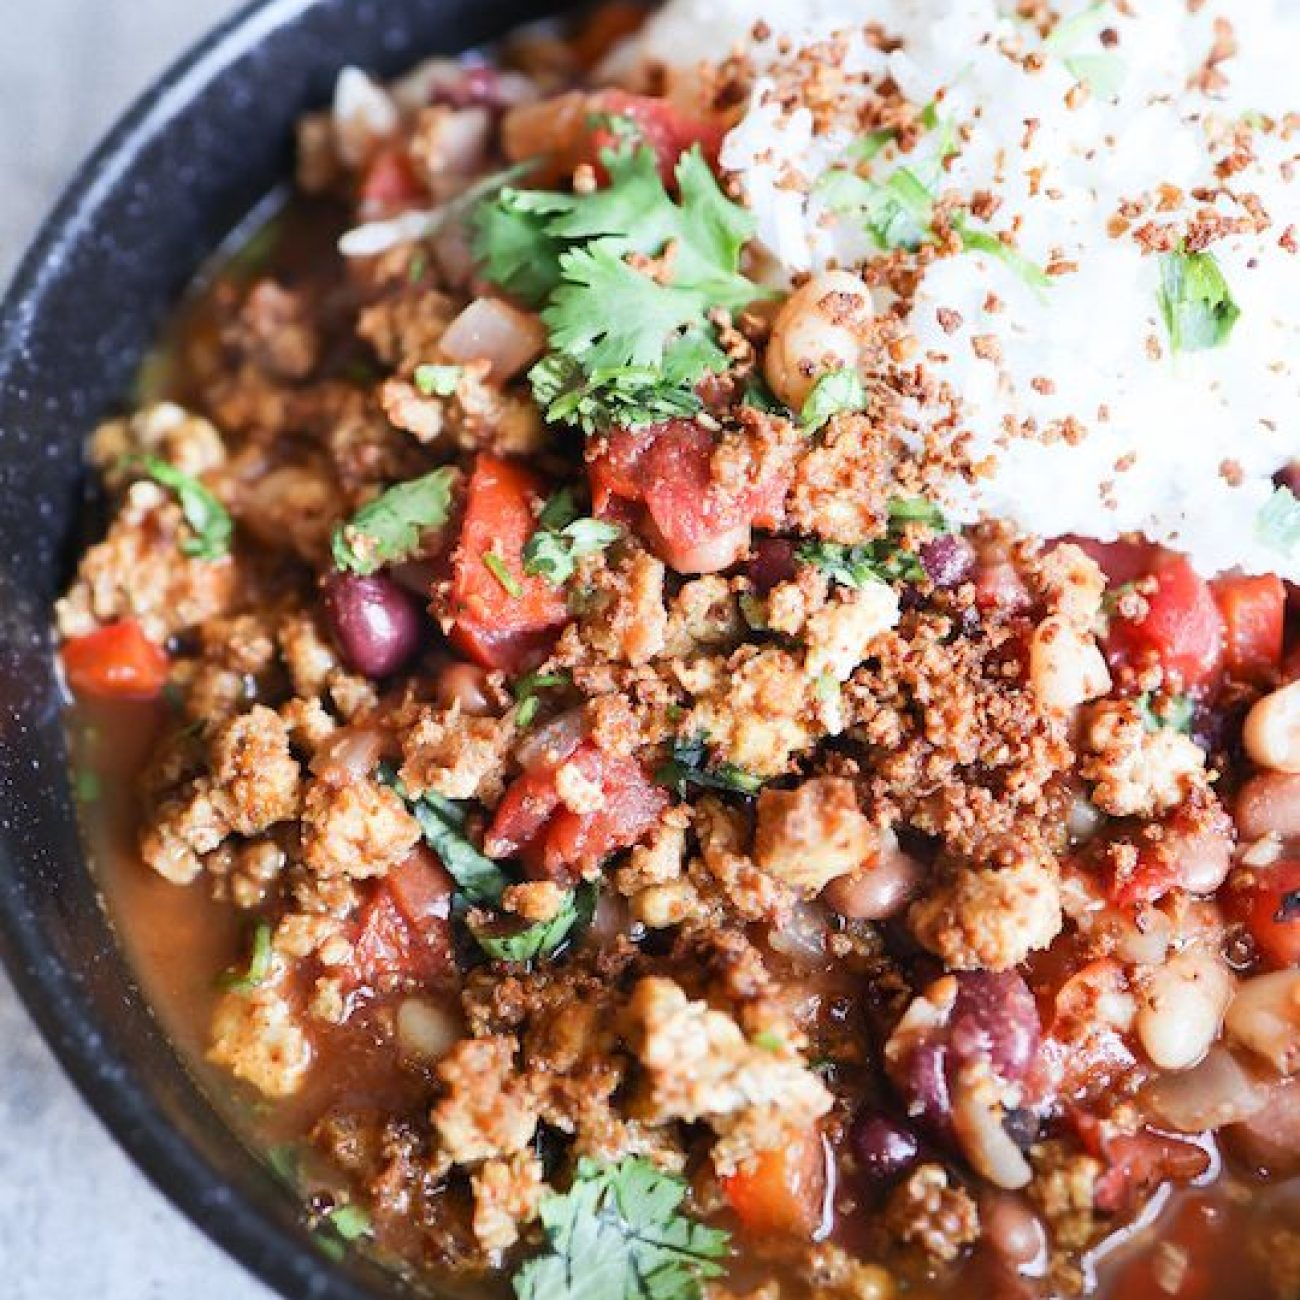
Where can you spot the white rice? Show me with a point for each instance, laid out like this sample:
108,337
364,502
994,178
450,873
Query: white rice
1164,433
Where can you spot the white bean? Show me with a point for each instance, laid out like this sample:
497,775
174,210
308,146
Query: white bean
1066,668
426,1030
1265,1017
1269,804
1181,1008
1272,731
819,329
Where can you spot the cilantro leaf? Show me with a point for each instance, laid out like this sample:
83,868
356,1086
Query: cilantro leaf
984,241
1103,72
351,1222
1277,525
438,381
260,962
917,510
206,516
563,538
511,243
527,692
849,566
541,941
619,395
479,879
690,764
619,1234
389,528
1195,301
1174,714
834,393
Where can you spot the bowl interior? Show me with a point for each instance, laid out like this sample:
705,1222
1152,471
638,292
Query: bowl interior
179,172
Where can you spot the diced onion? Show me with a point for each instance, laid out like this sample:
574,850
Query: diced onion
492,330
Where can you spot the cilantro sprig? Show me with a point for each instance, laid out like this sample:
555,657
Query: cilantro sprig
389,528
481,882
884,560
1195,301
208,519
618,1233
438,381
690,763
542,940
564,537
626,278
527,692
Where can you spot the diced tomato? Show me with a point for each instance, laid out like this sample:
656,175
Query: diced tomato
663,127
389,184
695,525
404,935
1137,1163
531,823
1272,913
1253,610
493,626
1121,562
782,1191
116,662
525,808
633,806
1181,628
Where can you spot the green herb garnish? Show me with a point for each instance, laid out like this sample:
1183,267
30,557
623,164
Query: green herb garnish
206,516
259,967
351,1222
389,528
541,941
575,255
619,1234
1195,301
563,538
438,381
527,692
885,560
1103,71
689,764
442,822
836,393
1174,714
498,568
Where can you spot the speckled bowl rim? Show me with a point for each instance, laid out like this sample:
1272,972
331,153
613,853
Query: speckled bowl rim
55,942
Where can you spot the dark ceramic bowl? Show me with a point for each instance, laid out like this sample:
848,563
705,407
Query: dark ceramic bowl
178,172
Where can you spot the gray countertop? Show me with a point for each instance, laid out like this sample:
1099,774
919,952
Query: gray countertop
77,1221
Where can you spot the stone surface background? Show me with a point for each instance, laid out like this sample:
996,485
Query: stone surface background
77,1221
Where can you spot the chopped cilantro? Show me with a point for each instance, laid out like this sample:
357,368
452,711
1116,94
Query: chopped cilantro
1174,714
563,538
619,1234
479,879
351,1222
87,785
761,398
690,764
206,516
838,392
389,528
1103,71
769,1041
260,961
1195,301
543,940
885,560
438,381
527,692
983,241
576,256
498,568
1277,525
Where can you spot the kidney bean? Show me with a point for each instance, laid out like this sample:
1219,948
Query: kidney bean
884,1147
374,621
771,561
947,560
995,1016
